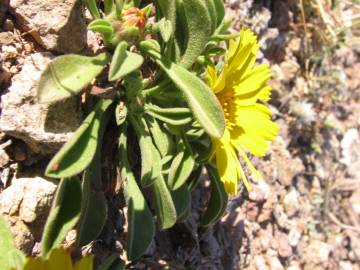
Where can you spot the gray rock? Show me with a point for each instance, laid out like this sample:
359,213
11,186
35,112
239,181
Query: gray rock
26,204
56,25
44,128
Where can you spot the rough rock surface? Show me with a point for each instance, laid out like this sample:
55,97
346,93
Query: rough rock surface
42,127
25,205
63,30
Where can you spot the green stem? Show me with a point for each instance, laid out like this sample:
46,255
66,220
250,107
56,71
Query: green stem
150,91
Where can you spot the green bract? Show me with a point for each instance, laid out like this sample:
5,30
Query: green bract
153,106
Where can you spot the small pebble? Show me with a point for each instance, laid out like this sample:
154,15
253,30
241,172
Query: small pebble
8,25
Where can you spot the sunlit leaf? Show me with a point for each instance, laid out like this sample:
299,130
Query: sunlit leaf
68,75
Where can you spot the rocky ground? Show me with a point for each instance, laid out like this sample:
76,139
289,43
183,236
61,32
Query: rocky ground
305,215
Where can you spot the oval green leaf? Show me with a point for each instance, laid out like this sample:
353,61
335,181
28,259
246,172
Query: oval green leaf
197,14
181,168
63,216
141,228
68,75
93,205
200,98
165,207
182,202
123,62
79,151
218,198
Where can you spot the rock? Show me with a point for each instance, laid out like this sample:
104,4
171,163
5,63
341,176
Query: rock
294,265
8,25
260,192
290,69
4,158
7,38
350,139
280,217
4,5
274,263
9,52
280,155
260,263
281,244
266,238
26,204
355,201
345,265
23,238
58,26
294,236
316,252
40,126
291,202
303,111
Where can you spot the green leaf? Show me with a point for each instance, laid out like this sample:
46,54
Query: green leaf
172,116
118,58
200,98
119,5
112,262
213,14
124,62
133,84
150,45
93,205
167,9
161,138
150,157
16,259
141,227
104,27
182,202
218,198
63,216
197,15
68,75
121,112
180,168
165,207
8,250
91,5
194,178
194,134
108,6
79,151
201,149
165,29
181,33
220,10
223,28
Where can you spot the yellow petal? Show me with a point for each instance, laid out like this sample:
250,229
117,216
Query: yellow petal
255,80
86,263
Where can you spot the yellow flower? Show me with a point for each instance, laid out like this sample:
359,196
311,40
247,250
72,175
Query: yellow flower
242,90
59,259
